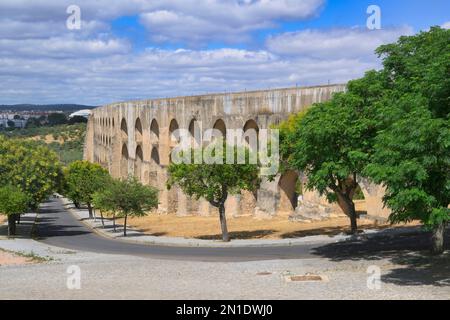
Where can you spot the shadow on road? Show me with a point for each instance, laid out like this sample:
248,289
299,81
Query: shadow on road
409,253
47,228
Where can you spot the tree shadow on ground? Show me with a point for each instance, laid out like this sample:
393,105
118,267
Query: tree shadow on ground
244,235
413,265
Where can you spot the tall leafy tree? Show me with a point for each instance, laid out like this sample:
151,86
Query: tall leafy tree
214,182
127,198
13,202
412,153
31,167
82,180
331,144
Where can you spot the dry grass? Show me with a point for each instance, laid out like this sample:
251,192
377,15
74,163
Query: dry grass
241,228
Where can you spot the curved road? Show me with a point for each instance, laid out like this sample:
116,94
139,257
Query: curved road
58,227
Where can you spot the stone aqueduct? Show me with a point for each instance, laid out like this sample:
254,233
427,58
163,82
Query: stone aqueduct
136,138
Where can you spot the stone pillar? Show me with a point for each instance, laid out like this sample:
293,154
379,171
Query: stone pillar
268,198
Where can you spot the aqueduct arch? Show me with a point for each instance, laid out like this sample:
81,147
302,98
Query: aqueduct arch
124,162
139,159
109,144
287,184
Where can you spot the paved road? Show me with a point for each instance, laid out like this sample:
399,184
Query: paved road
58,227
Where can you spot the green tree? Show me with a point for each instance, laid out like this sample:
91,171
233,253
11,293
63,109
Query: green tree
412,153
13,202
56,118
127,198
101,200
331,144
82,180
31,167
215,182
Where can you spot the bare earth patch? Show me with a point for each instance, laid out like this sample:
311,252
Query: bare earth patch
9,258
242,227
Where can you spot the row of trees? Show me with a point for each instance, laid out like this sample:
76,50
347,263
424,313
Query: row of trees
90,184
30,172
392,126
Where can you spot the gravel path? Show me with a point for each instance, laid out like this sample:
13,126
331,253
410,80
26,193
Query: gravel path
129,277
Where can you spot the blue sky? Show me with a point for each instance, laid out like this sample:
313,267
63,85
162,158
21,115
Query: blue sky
139,49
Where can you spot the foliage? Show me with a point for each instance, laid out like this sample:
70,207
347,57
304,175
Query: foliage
412,153
13,200
68,139
83,179
126,198
56,118
34,169
215,182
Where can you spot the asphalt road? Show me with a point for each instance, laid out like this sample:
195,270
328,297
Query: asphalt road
58,227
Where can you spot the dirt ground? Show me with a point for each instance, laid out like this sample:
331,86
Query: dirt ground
242,227
9,258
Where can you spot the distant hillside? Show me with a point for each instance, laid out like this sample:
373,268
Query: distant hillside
45,107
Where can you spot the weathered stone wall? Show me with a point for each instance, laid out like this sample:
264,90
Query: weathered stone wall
136,138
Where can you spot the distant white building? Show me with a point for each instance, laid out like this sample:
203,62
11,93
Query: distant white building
81,113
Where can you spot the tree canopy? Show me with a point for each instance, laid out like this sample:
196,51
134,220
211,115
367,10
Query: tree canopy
127,198
215,181
32,168
83,179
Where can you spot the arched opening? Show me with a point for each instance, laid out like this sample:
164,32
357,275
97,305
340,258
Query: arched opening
251,132
124,162
195,132
154,132
220,126
174,136
154,167
138,130
359,200
138,163
290,189
124,127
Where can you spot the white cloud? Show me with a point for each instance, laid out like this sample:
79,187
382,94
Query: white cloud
195,22
446,25
43,62
334,43
67,47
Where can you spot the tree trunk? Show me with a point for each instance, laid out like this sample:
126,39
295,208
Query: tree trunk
76,204
11,225
438,239
348,207
101,217
223,223
114,222
90,210
18,218
125,226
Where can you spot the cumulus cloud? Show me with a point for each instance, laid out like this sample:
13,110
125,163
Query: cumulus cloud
334,43
446,25
195,22
43,62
